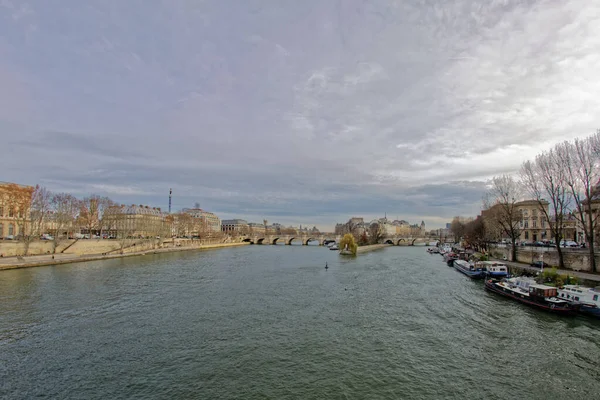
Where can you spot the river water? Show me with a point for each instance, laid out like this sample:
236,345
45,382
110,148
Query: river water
270,322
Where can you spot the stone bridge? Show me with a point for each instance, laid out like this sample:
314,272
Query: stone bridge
325,238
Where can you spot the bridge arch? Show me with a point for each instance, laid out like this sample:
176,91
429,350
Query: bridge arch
399,241
389,241
413,241
260,241
310,240
248,240
275,240
289,242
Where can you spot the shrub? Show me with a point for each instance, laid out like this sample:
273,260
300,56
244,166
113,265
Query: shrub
550,275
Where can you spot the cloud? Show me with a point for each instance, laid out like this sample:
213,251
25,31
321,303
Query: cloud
300,111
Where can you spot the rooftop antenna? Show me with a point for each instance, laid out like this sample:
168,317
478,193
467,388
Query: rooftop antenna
170,195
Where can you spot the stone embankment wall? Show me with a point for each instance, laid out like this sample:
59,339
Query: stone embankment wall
575,259
100,246
366,249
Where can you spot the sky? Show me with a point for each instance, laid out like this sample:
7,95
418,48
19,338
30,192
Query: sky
299,112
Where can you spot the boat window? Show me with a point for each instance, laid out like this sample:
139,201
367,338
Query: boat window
595,297
577,298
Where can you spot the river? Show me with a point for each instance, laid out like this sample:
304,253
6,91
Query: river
270,322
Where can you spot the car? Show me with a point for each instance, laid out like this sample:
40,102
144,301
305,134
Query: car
9,237
568,243
540,264
45,236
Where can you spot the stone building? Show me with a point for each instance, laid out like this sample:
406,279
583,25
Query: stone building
208,222
136,221
234,226
15,202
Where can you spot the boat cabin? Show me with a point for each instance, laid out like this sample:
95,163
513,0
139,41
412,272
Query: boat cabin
581,293
542,291
493,266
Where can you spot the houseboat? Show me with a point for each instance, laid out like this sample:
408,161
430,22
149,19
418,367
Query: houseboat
526,291
450,257
495,269
588,298
469,270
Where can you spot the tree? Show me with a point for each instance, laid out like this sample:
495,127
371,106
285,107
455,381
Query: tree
545,178
457,227
38,215
348,243
92,211
376,232
580,160
501,203
65,208
475,234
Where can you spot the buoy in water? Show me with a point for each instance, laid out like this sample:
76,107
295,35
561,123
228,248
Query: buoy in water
326,266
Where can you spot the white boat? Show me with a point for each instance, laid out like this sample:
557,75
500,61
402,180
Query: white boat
494,269
334,247
589,298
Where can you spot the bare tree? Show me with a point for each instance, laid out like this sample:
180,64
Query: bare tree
38,215
457,227
92,211
65,208
501,203
376,232
580,160
545,178
475,234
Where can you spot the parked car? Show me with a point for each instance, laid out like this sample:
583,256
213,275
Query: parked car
9,237
45,236
568,243
540,264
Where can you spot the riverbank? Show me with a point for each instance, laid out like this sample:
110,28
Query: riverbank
372,247
58,259
587,278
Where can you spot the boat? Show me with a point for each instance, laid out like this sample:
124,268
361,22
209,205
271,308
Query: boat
526,291
433,250
495,269
334,247
469,270
588,298
450,257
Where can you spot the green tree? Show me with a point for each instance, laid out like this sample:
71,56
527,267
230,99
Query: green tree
348,243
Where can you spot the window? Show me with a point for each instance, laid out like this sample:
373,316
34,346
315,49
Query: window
534,223
526,235
1,211
1,230
526,224
11,212
543,224
595,297
11,229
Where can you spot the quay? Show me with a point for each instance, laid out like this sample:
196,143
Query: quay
589,278
58,259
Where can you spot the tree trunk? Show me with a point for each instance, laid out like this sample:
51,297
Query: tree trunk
513,254
561,261
591,226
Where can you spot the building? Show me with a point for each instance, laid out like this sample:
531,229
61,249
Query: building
533,225
530,219
256,228
208,222
15,203
135,221
234,226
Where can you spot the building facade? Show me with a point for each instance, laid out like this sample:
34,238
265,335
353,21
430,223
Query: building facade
135,221
234,226
208,222
15,202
